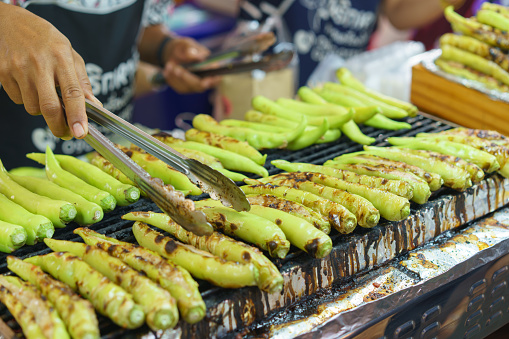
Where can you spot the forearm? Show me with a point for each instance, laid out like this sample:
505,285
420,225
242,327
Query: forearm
144,74
150,43
408,14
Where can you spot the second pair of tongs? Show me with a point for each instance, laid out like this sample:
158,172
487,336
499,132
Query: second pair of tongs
173,202
232,60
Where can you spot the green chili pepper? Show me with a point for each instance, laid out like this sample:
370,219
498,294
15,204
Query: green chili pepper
354,133
77,313
269,278
365,113
475,172
227,143
346,77
124,194
200,264
360,114
367,215
496,7
159,306
493,19
308,95
108,298
330,136
29,171
371,157
421,190
456,68
299,232
478,47
318,110
256,125
46,317
498,151
175,279
339,98
339,217
257,139
104,165
482,159
58,211
268,106
248,227
159,169
68,180
390,206
37,227
311,133
12,237
475,29
23,315
292,207
382,122
350,128
397,187
309,136
490,135
230,160
210,161
453,176
389,111
475,62
87,212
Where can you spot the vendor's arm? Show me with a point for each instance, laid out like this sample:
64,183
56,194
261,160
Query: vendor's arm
159,47
408,14
35,58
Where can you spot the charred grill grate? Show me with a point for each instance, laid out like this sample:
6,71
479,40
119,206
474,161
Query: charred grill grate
114,226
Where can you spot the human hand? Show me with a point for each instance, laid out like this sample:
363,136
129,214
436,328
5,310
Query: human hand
181,51
35,58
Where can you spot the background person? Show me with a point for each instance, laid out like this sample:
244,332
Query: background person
342,27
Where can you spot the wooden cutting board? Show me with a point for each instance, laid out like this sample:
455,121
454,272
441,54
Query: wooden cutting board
451,101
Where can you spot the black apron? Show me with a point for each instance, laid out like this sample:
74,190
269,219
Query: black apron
107,42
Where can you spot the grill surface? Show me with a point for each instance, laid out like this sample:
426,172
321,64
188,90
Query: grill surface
316,154
360,251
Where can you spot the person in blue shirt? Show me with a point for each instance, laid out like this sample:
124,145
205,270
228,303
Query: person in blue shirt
343,27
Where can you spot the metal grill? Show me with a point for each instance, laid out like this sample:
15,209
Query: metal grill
452,287
361,251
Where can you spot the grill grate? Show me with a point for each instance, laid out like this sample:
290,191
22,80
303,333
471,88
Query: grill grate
114,226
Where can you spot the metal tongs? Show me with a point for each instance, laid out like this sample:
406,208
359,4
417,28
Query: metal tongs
173,202
243,46
245,55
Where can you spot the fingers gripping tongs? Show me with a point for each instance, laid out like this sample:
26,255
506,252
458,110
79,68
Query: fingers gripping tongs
171,201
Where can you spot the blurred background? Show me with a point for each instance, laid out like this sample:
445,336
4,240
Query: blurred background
385,66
